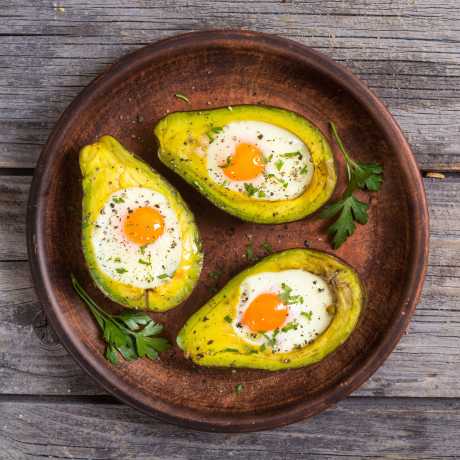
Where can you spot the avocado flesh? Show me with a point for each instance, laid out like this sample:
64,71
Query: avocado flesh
107,167
182,138
208,338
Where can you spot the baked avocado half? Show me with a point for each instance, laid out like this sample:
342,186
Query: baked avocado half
127,211
261,164
320,299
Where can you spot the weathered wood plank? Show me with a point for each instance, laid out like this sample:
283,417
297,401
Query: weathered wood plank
13,201
357,428
407,51
426,362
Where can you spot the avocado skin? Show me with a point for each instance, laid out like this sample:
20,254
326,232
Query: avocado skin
209,340
182,134
106,167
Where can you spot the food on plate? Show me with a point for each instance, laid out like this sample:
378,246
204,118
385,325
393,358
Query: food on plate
139,238
289,310
261,164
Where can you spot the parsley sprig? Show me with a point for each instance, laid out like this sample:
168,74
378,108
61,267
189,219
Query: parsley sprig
130,333
286,295
364,176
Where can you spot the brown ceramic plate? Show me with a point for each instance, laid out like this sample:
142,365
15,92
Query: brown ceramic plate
214,69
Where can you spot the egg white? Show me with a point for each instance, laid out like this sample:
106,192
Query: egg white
143,267
285,176
315,294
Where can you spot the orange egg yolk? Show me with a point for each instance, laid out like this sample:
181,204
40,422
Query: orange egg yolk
143,226
265,313
246,163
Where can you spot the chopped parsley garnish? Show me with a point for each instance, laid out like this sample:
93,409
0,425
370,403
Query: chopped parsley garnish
216,274
132,334
239,388
279,164
307,314
117,259
163,276
121,270
212,132
118,199
250,252
144,262
267,247
292,326
228,162
250,189
271,341
364,176
293,154
286,296
182,97
304,170
228,319
261,194
278,179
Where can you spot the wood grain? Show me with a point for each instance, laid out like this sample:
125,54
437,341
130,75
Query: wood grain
408,51
357,428
425,363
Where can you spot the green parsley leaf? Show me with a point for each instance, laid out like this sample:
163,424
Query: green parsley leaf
286,297
228,162
111,354
304,170
239,388
366,176
297,154
116,259
250,189
212,134
121,270
163,276
350,209
307,314
250,252
134,320
117,199
144,262
267,248
216,274
271,341
279,164
131,333
182,97
261,194
292,326
228,318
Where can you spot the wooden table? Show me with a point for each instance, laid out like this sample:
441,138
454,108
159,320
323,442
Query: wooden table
408,51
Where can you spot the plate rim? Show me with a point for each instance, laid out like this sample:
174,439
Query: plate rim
100,372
